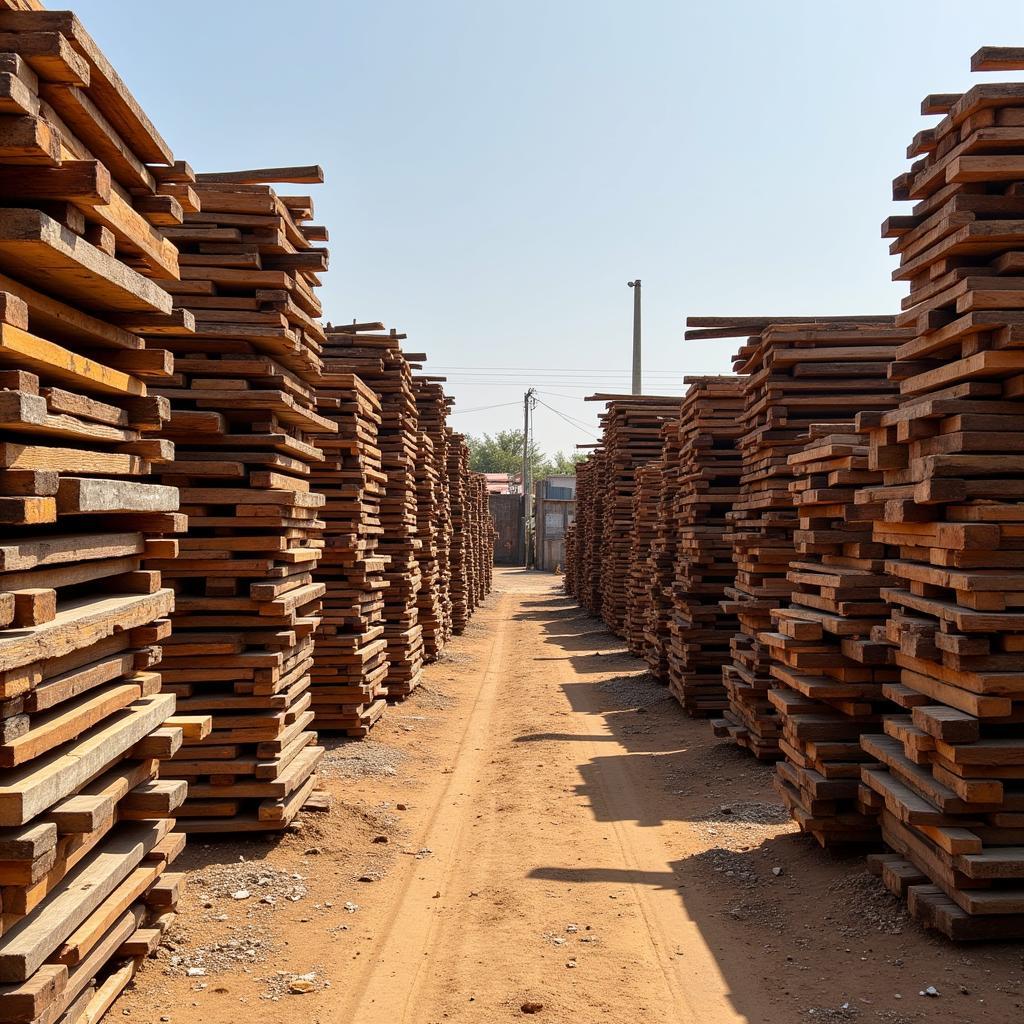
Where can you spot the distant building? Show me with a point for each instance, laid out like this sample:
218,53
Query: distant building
559,485
554,509
502,483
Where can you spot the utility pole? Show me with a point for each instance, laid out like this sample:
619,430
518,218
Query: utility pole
637,379
527,405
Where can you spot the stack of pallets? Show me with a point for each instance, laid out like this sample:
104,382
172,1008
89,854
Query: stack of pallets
85,819
350,667
433,517
951,789
244,419
376,356
706,488
798,371
631,428
830,673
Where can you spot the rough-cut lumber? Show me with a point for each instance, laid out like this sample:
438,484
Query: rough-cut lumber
947,510
351,666
796,374
85,294
245,423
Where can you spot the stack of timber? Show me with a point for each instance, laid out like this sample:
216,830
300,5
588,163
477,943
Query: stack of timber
350,667
376,357
434,524
461,555
472,537
708,466
798,371
639,602
244,420
951,789
661,562
484,537
571,554
631,435
588,531
85,818
831,675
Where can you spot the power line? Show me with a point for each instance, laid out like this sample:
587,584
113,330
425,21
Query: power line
567,417
587,385
484,408
568,420
548,369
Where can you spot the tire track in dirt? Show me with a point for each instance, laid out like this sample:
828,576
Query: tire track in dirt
399,955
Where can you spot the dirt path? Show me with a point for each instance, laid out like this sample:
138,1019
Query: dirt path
540,829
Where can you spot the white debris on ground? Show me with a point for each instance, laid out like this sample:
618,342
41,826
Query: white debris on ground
360,759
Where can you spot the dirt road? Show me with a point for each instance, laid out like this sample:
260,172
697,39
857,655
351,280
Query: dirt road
540,832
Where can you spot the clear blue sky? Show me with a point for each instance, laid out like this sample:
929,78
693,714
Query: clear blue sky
497,172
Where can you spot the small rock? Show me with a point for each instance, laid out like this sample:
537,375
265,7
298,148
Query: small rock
776,871
351,907
241,894
401,807
197,972
313,851
301,986
531,1007
931,990
381,839
570,963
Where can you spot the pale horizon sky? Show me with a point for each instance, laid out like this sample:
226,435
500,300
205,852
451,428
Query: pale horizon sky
497,173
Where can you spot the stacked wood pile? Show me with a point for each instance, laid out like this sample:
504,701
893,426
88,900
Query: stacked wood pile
351,665
483,536
708,468
661,562
376,357
639,602
571,555
950,791
799,371
471,552
85,818
631,429
244,420
587,532
460,552
831,675
433,517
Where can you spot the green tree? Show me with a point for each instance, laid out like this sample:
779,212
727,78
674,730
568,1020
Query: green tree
565,464
503,453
